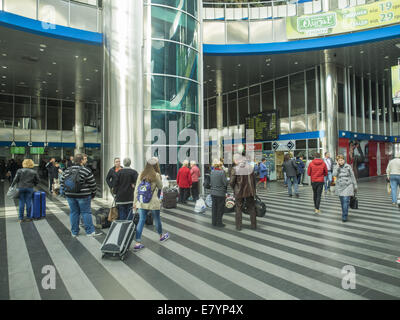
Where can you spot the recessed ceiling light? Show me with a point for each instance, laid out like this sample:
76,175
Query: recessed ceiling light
4,67
234,85
4,77
296,62
84,59
4,54
212,70
43,46
87,79
41,49
3,84
44,82
76,57
56,90
22,82
73,92
210,80
368,74
386,69
362,51
262,76
239,65
208,66
350,66
49,73
386,57
95,70
268,60
268,64
54,62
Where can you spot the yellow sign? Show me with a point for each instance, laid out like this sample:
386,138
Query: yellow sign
396,84
357,18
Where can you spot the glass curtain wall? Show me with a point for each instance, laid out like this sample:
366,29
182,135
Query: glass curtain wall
173,77
44,120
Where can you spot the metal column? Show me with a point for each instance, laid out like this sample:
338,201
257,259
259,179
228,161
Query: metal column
79,126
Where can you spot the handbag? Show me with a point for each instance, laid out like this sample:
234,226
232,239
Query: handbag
353,202
13,193
389,188
113,214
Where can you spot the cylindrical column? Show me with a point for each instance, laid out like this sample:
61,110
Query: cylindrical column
122,84
79,126
218,74
331,103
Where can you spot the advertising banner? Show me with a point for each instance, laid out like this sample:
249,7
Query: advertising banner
352,19
396,84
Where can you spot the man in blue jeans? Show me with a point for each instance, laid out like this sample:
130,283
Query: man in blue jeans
393,175
80,188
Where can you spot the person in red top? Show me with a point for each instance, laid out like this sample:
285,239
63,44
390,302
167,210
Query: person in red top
195,172
184,181
317,170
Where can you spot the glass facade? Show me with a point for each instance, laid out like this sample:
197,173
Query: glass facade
174,75
44,120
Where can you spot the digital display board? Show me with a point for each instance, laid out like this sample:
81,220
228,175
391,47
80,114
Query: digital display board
265,125
37,150
17,150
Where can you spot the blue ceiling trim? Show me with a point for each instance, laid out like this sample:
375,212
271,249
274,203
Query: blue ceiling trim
17,22
348,39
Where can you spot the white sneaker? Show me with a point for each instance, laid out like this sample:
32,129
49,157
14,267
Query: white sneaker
94,234
74,235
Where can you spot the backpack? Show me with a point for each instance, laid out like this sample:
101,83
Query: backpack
72,182
144,192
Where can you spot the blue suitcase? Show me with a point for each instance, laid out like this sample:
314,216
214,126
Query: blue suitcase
38,209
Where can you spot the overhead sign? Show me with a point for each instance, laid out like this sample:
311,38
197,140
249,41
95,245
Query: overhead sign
284,145
377,14
265,125
396,84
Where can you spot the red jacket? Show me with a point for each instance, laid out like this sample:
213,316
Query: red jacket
317,170
184,178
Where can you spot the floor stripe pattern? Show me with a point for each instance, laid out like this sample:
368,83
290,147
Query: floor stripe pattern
294,254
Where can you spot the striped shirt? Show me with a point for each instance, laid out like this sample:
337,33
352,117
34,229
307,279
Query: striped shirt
87,181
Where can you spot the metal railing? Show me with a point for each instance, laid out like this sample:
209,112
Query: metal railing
275,9
69,13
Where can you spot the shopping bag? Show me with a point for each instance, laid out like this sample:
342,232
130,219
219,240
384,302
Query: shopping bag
200,206
209,201
13,193
389,188
113,214
353,202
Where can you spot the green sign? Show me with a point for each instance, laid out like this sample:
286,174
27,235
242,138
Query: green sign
37,150
373,15
17,150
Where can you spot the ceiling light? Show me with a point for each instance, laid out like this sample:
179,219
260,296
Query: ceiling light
239,65
208,66
397,45
368,74
43,46
41,49
87,79
3,84
76,57
350,66
54,62
362,51
4,54
56,90
95,70
296,62
49,73
234,85
386,57
4,67
84,59
73,92
262,76
4,77
212,70
267,60
267,64
22,82
44,82
210,80
386,69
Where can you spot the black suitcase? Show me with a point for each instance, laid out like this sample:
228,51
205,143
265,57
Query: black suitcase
101,216
261,208
119,238
169,199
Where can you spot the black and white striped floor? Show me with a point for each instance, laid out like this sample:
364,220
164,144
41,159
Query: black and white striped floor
294,254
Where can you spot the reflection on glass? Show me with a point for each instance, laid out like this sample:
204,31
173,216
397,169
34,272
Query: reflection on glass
189,6
174,94
174,59
22,112
53,115
162,120
38,114
68,115
173,25
6,111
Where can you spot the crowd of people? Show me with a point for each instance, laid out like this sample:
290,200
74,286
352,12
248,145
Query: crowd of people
78,186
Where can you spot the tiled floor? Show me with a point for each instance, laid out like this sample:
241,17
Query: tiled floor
294,254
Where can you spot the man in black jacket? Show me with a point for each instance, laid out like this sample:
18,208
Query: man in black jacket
79,188
53,173
111,176
124,187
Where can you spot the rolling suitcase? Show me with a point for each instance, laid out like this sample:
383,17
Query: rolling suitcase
169,199
118,239
38,208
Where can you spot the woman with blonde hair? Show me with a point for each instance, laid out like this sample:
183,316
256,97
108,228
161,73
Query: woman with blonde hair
146,199
26,178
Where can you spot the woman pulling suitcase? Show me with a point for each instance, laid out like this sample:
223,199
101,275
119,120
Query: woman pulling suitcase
147,199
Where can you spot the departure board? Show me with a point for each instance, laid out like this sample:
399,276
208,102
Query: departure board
265,125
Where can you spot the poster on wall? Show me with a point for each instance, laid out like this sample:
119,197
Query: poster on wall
396,84
377,14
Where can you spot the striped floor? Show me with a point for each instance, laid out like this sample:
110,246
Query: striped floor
293,254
